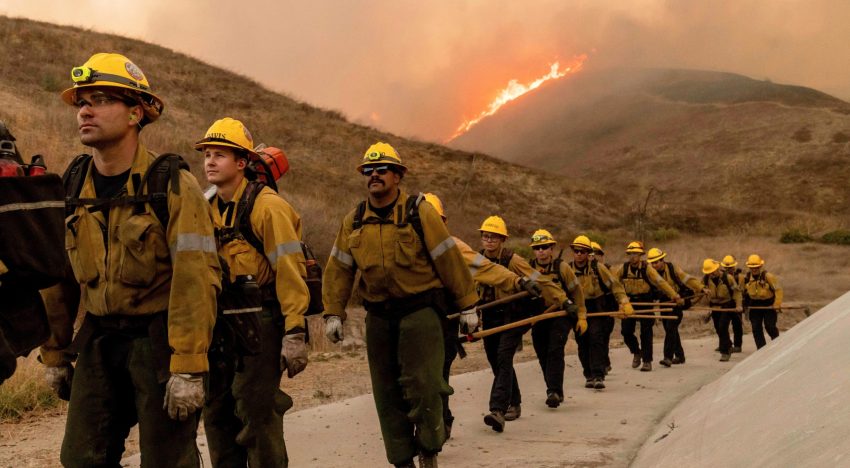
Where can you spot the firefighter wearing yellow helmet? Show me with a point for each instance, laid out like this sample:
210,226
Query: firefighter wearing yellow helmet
723,293
144,255
264,297
603,292
687,286
505,398
730,265
411,275
550,336
763,299
642,284
483,272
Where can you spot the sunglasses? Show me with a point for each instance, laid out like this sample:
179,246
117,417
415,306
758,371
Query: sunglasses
542,247
580,252
380,170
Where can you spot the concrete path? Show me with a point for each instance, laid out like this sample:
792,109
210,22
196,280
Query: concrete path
591,429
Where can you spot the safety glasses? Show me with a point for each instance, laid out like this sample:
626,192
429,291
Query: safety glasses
369,170
581,252
99,100
490,237
542,247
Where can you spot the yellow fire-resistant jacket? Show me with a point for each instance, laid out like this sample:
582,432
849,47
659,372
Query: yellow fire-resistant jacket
484,271
552,294
691,282
393,261
720,294
759,287
548,273
635,285
278,226
590,283
138,267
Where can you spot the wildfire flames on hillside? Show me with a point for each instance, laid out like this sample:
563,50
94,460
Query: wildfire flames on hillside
514,90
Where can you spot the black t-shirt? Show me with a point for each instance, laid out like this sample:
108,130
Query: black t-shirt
386,210
108,186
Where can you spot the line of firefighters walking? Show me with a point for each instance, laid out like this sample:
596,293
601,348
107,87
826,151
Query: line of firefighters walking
197,302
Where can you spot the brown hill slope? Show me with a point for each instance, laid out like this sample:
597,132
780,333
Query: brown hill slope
322,146
717,146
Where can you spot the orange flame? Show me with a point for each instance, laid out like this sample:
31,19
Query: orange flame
515,90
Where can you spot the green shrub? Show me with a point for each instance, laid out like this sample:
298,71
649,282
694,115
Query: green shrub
839,236
664,234
794,236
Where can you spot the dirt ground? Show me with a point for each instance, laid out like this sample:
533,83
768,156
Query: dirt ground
340,373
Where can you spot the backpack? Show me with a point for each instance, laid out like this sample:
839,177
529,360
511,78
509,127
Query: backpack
723,278
641,275
761,276
242,227
163,169
681,287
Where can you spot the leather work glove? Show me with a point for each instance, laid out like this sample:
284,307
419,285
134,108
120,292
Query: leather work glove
333,328
184,394
570,308
627,309
59,380
581,326
468,320
531,287
293,354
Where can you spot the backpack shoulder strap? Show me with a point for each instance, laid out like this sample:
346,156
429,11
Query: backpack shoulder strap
604,287
624,271
671,269
73,179
358,215
244,209
556,265
164,169
507,255
411,214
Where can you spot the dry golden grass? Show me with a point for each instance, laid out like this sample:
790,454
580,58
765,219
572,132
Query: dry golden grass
26,392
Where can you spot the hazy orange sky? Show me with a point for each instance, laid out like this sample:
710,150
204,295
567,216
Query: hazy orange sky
419,68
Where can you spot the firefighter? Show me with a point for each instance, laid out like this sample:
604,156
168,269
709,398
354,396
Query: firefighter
723,293
411,275
599,256
642,284
550,336
762,298
730,266
599,286
149,276
263,295
483,271
687,286
505,398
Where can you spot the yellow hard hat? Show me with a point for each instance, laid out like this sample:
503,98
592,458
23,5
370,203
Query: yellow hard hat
496,225
754,261
542,237
655,254
597,248
381,153
635,247
729,262
435,201
231,133
582,242
115,71
709,266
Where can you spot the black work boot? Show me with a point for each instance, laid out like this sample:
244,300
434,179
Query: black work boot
678,360
636,361
553,400
666,362
647,366
513,412
588,383
407,464
496,420
427,460
598,383
736,349
725,357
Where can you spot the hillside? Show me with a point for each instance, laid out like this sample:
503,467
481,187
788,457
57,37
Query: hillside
322,146
721,149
